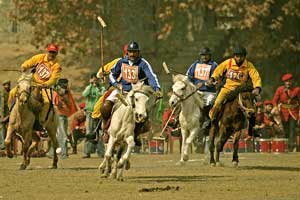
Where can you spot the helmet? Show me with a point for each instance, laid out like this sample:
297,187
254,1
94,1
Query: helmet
239,50
125,48
52,47
133,46
205,51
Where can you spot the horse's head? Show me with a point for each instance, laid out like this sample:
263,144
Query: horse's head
140,98
246,101
180,89
24,88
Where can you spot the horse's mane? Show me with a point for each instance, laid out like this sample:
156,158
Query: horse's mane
234,93
25,76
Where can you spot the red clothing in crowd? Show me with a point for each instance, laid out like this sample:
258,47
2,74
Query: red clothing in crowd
289,102
65,104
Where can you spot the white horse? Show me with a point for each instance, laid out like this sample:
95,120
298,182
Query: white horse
132,110
191,116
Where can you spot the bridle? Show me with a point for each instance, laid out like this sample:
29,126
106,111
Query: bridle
244,109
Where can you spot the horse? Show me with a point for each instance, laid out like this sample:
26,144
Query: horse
191,116
128,111
238,108
22,118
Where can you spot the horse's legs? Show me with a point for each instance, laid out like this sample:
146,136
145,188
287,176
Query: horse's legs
25,148
235,156
107,157
212,135
126,155
224,135
184,136
52,134
8,138
188,143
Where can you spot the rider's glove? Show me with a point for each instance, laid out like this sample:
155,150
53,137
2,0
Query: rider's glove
210,81
119,86
256,91
158,94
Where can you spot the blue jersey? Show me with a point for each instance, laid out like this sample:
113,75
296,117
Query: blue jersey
201,72
133,72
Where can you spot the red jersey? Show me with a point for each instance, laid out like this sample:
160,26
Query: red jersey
288,102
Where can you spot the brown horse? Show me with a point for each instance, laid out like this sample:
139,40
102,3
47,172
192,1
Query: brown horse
22,117
236,112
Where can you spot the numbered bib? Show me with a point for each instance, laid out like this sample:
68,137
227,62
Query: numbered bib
43,72
130,73
235,75
202,71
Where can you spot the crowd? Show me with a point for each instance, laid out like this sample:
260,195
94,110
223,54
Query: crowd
278,117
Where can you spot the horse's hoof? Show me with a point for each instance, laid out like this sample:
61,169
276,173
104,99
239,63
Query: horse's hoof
54,167
213,164
113,175
185,157
104,176
22,167
120,179
127,167
101,170
180,163
9,155
235,164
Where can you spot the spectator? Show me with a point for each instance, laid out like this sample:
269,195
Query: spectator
92,93
4,111
65,106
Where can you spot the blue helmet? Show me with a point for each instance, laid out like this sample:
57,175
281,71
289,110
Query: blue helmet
133,46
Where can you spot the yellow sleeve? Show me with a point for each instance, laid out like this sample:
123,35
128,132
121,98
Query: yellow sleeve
32,61
107,67
56,72
11,95
219,71
254,75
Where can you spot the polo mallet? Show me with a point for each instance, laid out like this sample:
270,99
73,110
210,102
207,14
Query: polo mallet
167,122
103,25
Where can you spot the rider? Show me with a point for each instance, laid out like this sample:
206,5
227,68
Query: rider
237,70
130,69
199,73
287,99
102,72
46,71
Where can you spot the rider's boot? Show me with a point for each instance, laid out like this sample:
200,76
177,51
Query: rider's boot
106,110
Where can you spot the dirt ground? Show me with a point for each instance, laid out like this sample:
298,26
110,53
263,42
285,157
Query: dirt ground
259,176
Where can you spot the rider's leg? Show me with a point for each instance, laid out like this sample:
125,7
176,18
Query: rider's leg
214,111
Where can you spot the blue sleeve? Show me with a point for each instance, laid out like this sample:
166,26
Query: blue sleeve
213,68
115,73
191,72
153,81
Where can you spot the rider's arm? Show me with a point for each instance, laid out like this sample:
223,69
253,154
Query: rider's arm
153,81
32,62
115,73
219,71
56,72
254,75
191,73
107,68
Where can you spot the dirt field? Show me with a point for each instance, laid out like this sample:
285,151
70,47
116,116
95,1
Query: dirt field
259,176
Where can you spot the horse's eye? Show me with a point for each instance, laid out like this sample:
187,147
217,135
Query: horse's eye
182,88
136,99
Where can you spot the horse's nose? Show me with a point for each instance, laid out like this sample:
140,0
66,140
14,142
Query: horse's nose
172,103
138,116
